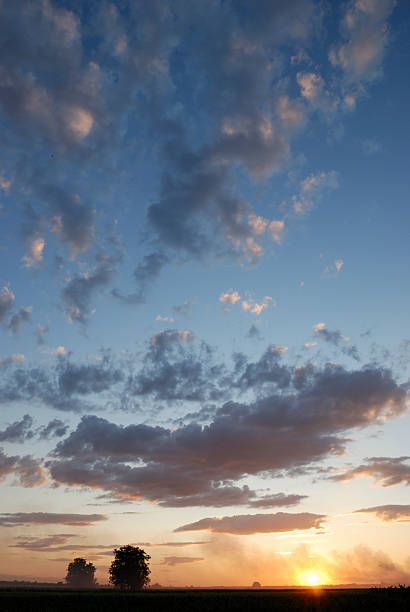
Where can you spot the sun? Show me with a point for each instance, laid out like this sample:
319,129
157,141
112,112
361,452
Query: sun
311,578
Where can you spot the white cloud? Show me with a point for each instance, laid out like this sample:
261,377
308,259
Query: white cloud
35,253
58,350
257,307
312,188
309,344
230,297
160,318
79,123
252,249
276,230
257,224
366,36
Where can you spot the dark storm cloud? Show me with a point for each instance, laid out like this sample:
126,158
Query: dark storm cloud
177,367
266,370
87,379
39,385
248,524
79,292
389,512
387,471
9,519
215,496
199,464
145,273
27,470
196,187
72,220
54,428
16,322
19,431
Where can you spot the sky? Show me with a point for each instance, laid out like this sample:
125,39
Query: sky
204,298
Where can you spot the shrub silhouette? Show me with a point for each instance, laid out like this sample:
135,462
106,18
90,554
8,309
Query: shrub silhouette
80,574
130,569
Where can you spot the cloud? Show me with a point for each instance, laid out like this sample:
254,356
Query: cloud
254,333
333,269
40,332
12,359
180,560
28,471
57,351
185,308
230,297
365,31
57,543
371,146
177,367
87,379
35,253
386,471
258,224
183,544
278,432
145,273
278,499
276,230
7,298
19,431
308,345
336,338
267,370
8,519
42,544
197,210
54,428
80,290
16,322
251,305
248,524
312,189
389,512
72,221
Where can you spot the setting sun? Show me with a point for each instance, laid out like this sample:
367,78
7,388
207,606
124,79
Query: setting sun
311,578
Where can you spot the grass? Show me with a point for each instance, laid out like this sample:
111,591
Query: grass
192,600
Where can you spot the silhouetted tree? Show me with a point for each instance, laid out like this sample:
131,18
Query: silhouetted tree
130,569
80,574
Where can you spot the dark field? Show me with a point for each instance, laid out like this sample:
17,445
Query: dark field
204,600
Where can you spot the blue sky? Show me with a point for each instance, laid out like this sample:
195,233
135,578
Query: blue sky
203,303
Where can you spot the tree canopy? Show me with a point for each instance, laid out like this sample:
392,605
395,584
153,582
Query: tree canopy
80,574
130,569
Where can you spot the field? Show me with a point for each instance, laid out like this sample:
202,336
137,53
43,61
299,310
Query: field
192,600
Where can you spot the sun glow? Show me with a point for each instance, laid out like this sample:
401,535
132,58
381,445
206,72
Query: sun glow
312,578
